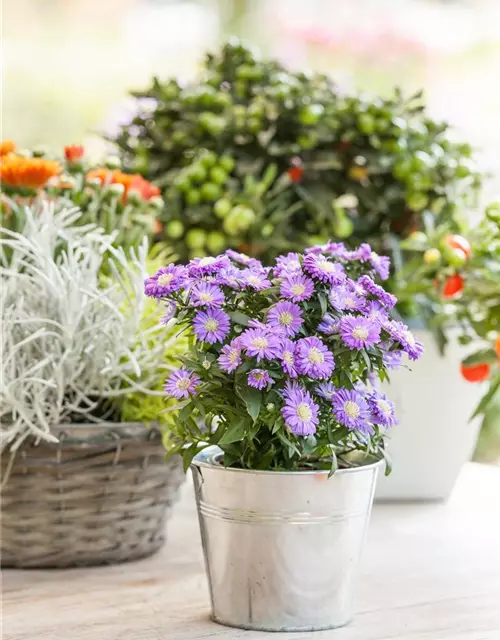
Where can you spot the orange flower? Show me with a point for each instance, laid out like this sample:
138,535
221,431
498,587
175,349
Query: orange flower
28,172
497,346
6,147
74,152
131,181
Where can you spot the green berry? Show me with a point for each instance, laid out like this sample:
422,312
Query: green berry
174,229
453,256
210,192
195,238
417,201
366,124
230,226
212,123
310,114
218,175
254,125
208,159
197,173
222,207
244,216
182,183
227,163
267,230
193,196
216,241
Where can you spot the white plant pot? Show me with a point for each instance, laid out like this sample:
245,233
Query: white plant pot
434,437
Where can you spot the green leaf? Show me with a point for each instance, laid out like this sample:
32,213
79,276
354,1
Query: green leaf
335,464
234,433
388,461
188,455
239,318
483,405
488,356
252,398
323,303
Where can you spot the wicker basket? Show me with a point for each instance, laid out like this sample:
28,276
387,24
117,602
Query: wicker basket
101,495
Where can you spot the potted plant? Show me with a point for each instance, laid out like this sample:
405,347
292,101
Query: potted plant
123,204
456,280
256,157
83,364
281,420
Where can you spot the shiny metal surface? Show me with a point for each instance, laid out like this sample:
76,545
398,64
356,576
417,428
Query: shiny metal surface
281,548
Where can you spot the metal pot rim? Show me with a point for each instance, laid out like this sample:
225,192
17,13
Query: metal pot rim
210,458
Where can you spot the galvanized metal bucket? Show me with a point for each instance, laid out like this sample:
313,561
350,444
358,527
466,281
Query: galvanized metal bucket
281,548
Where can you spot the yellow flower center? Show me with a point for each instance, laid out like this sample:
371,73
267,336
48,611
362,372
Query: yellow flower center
211,324
298,289
288,357
350,302
384,407
324,265
360,333
205,262
165,279
233,356
254,280
285,318
352,409
260,343
205,296
183,384
259,375
315,356
304,412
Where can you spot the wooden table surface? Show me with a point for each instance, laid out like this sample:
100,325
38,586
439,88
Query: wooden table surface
429,572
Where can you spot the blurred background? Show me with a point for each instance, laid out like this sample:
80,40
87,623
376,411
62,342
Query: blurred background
68,65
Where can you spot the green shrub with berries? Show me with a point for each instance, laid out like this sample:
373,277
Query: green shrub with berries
256,157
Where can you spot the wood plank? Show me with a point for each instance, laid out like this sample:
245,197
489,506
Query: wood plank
429,572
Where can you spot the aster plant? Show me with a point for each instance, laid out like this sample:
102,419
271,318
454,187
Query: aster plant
284,368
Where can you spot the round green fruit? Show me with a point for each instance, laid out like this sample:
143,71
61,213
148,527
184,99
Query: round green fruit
174,229
218,175
226,162
210,192
310,114
208,159
432,256
195,238
417,201
197,173
193,196
216,241
222,207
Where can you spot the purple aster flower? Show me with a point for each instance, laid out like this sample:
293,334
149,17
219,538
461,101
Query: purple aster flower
326,390
287,265
297,287
242,258
259,378
230,356
392,359
169,311
256,279
207,265
381,265
360,254
211,325
351,410
344,298
261,343
205,294
313,358
167,279
286,316
300,411
329,325
228,276
287,357
337,249
387,299
382,409
358,332
400,333
181,383
375,311
322,268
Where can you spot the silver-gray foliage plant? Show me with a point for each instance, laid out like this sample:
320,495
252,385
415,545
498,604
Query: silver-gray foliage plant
70,336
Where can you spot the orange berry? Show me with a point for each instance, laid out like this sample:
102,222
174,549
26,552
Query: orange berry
476,372
497,346
453,285
458,242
